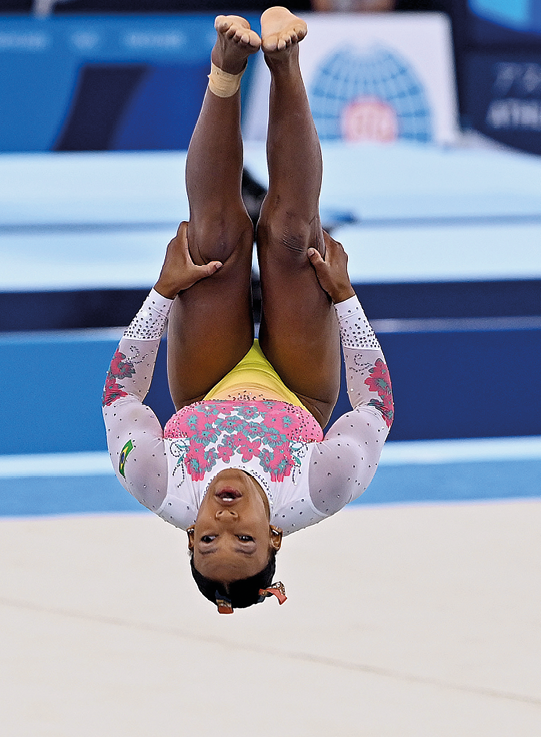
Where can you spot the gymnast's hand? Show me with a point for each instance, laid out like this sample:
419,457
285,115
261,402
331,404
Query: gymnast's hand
331,271
179,271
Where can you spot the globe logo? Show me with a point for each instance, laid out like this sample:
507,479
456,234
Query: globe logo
372,96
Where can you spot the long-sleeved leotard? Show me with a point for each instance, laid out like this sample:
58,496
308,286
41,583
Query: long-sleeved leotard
306,476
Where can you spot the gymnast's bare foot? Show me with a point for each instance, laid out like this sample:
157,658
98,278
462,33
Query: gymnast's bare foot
234,44
280,30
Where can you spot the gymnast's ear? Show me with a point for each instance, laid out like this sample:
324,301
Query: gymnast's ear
191,533
276,537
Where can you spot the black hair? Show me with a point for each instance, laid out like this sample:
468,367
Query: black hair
242,593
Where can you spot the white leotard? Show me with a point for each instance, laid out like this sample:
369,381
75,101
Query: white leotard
306,476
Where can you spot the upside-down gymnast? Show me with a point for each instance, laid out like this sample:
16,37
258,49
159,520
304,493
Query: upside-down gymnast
244,461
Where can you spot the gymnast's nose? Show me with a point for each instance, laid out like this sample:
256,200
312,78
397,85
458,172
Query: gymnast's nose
226,515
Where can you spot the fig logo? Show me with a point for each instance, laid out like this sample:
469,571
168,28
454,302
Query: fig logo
369,119
372,95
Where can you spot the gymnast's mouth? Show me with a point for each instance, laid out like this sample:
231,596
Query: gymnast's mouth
228,495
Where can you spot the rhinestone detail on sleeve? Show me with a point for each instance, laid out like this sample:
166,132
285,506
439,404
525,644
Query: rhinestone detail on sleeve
149,323
355,330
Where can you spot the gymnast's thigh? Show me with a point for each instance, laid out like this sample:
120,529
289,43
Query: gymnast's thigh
299,329
211,326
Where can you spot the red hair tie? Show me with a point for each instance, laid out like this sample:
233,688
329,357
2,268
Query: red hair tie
224,604
276,589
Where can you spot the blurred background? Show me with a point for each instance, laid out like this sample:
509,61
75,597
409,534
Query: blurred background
429,115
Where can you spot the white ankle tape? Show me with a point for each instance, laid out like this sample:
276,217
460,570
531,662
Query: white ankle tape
222,83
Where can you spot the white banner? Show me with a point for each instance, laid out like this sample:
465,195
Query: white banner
371,77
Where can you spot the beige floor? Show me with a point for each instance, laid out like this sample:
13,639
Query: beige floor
401,622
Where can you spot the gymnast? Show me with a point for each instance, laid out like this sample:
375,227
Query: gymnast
244,460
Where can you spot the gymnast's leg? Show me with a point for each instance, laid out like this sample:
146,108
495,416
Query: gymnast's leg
211,326
299,331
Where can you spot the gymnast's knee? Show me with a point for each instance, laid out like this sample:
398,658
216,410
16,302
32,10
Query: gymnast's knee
220,237
289,234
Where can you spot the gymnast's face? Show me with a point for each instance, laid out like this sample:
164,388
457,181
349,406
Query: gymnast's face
232,537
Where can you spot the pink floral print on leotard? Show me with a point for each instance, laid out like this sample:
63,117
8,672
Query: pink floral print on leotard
120,368
380,382
274,432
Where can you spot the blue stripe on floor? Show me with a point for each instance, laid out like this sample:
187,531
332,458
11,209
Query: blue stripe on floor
451,482
409,472
40,495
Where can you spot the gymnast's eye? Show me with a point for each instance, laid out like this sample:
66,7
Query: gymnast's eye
208,538
245,538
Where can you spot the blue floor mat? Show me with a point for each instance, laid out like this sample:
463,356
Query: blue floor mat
393,484
446,482
64,495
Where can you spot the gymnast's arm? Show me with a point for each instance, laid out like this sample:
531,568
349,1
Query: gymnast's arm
343,464
134,434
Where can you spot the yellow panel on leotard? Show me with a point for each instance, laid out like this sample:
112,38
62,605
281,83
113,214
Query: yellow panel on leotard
253,378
